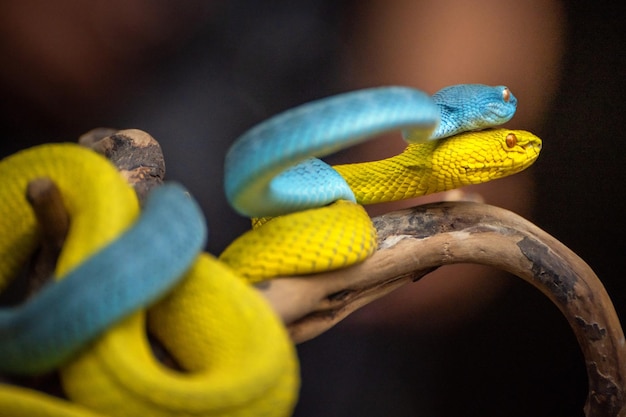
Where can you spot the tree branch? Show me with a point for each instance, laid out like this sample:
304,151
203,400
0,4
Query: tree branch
416,241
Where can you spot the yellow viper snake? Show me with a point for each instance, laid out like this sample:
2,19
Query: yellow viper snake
235,355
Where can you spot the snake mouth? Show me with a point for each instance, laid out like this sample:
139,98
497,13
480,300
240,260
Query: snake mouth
532,150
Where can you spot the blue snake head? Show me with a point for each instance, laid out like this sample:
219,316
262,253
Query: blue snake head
472,107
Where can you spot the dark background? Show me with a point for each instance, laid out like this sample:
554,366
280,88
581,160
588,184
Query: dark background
517,357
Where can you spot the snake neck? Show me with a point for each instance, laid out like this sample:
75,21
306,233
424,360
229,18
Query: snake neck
408,174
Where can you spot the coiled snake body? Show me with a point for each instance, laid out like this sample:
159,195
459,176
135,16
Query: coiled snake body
236,355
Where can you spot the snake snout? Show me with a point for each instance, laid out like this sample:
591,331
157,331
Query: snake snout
533,146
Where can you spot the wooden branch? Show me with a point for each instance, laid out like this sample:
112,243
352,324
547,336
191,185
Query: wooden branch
45,198
135,153
416,241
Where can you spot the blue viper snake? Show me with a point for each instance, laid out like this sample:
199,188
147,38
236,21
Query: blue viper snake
235,355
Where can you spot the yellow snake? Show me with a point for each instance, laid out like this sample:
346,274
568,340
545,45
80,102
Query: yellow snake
236,356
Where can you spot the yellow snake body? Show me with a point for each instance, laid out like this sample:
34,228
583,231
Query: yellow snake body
304,242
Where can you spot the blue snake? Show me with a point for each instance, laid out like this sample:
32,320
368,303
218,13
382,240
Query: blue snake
271,170
264,170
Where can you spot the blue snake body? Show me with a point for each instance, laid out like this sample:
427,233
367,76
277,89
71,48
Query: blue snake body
268,169
271,170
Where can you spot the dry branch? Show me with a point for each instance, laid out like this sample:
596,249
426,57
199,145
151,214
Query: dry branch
416,241
45,198
135,153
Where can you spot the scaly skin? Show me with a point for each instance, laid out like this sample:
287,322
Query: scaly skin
305,242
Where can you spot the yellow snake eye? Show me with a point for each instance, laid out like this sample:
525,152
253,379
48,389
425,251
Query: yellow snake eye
506,95
511,140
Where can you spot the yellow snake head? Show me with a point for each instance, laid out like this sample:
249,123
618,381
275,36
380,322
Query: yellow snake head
441,165
480,156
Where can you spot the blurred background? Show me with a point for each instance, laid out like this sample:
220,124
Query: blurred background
465,340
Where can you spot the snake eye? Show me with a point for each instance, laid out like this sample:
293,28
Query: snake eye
506,95
511,140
